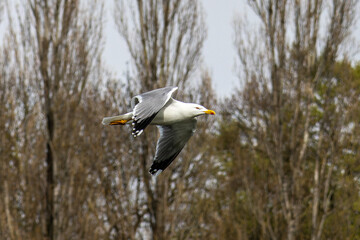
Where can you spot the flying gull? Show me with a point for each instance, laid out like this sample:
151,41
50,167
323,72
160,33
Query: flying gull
176,121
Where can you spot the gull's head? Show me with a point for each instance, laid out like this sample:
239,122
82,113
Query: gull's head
198,110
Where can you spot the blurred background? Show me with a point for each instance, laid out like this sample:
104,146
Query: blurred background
280,160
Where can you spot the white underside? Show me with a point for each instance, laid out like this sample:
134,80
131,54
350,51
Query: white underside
174,111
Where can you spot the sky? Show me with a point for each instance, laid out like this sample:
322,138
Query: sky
218,52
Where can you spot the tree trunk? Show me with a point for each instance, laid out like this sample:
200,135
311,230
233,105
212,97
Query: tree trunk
49,201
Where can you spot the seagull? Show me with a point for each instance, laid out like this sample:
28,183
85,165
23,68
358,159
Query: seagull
176,122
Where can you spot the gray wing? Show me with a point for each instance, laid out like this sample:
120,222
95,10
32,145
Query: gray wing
172,140
147,105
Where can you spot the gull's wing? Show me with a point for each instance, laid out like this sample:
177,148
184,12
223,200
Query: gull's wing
172,140
147,105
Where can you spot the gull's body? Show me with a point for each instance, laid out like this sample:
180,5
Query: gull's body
171,113
176,121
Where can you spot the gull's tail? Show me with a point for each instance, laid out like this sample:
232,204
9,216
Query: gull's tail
118,120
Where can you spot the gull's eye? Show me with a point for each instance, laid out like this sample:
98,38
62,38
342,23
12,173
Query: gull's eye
197,108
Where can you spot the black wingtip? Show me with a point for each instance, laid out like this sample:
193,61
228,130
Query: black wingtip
155,172
140,124
157,168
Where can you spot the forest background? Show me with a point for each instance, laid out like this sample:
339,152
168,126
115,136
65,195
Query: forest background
279,161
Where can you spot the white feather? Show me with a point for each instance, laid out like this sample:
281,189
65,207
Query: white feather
158,173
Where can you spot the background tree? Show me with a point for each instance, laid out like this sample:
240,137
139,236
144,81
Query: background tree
288,120
164,39
51,52
280,162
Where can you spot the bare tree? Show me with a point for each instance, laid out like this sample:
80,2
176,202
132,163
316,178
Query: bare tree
68,43
164,39
53,48
287,114
21,138
282,162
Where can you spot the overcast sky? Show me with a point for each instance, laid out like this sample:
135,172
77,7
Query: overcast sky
218,52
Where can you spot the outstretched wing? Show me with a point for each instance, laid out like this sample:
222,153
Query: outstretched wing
172,140
147,105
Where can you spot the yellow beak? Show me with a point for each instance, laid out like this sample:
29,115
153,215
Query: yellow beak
211,112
